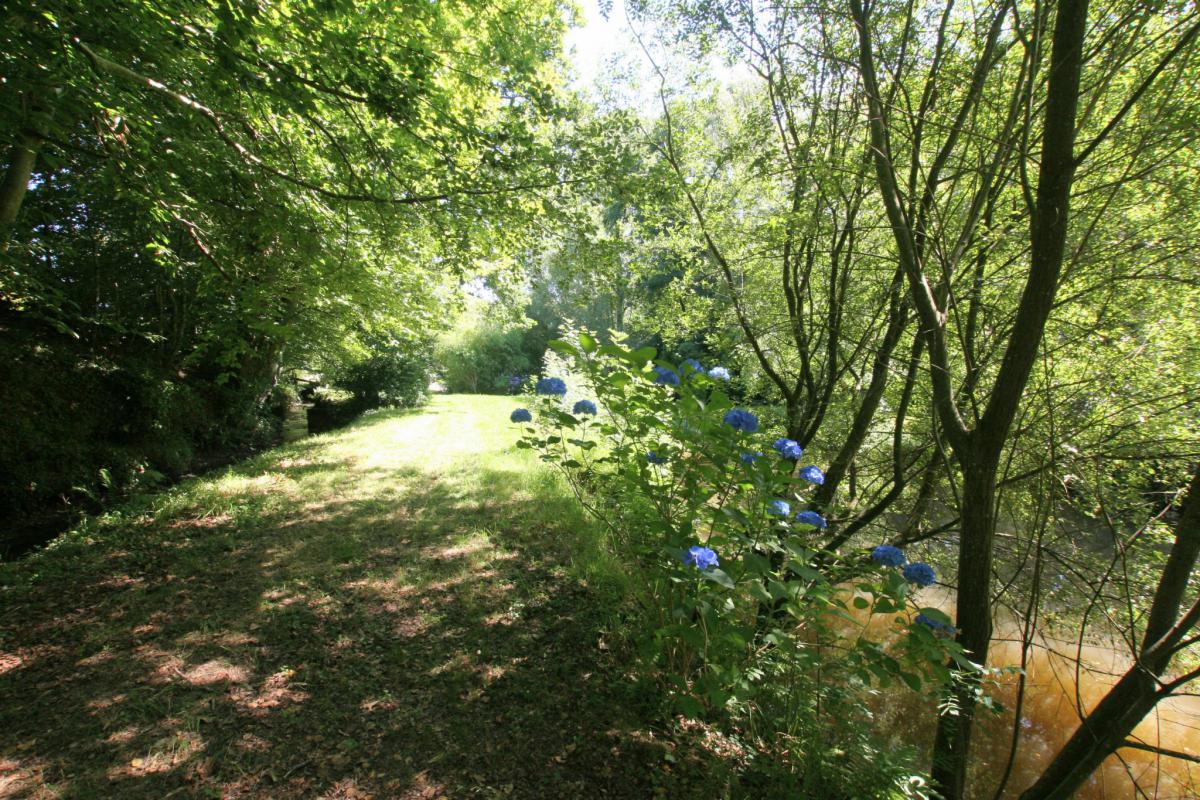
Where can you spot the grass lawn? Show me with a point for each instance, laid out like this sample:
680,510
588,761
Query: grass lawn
408,608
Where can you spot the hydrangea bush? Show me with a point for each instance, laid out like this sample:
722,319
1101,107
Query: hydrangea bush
711,515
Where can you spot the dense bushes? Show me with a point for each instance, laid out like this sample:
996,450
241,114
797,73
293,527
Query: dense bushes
374,370
387,372
482,358
737,609
81,425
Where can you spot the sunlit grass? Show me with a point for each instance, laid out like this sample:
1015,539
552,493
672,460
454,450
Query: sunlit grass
409,602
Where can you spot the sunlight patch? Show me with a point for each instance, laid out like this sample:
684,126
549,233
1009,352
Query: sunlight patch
95,659
9,662
123,736
275,692
163,757
215,671
204,523
460,662
422,788
102,703
454,551
408,627
251,743
167,665
121,582
346,789
18,779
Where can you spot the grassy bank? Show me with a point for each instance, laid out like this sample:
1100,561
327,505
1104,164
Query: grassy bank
408,608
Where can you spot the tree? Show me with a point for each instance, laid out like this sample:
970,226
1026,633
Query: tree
1169,630
195,194
979,444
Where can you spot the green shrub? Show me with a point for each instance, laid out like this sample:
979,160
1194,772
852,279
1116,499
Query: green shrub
81,427
329,413
482,359
744,617
390,372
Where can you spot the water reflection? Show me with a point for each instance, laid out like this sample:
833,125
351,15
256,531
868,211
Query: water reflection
1055,690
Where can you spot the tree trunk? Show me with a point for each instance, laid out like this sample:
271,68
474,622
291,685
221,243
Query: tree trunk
973,618
865,414
22,157
979,455
1113,719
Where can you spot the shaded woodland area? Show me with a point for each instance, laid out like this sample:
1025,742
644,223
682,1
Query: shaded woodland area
949,251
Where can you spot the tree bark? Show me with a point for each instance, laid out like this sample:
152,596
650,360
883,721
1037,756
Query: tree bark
22,157
865,414
979,455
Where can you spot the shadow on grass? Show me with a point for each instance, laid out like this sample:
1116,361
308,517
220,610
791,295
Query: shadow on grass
421,642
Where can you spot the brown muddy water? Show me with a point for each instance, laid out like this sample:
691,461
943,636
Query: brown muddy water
1055,691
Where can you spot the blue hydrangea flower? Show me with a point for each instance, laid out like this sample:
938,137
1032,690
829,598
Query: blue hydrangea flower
691,365
655,458
750,458
919,573
812,475
938,627
812,518
778,508
702,558
515,381
521,415
741,420
719,374
887,556
584,407
666,377
552,386
788,448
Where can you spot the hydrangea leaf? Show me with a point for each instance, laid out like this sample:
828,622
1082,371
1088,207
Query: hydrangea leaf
935,614
756,564
719,401
718,576
760,593
640,356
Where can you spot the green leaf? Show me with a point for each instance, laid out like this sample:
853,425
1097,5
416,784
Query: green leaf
563,348
756,564
640,356
718,576
935,614
689,706
736,516
760,593
587,342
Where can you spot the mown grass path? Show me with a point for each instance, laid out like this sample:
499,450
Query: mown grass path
389,612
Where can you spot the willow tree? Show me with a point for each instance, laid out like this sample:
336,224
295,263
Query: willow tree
992,112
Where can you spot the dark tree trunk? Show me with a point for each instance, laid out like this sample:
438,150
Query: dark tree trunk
21,157
1113,719
973,618
865,414
980,451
